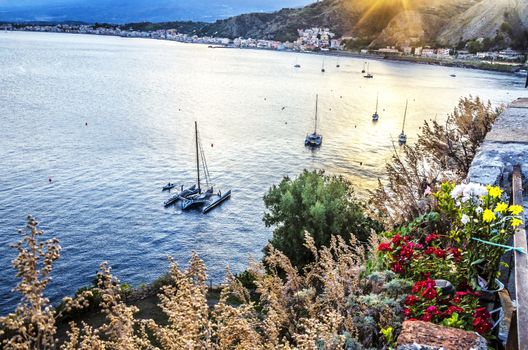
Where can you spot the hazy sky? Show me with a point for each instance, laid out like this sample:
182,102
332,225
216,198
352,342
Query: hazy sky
135,10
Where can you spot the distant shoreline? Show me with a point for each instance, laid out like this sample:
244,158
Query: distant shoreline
453,62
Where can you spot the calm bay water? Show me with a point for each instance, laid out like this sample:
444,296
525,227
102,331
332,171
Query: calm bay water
140,99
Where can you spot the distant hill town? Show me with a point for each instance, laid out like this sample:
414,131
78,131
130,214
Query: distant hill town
493,24
470,26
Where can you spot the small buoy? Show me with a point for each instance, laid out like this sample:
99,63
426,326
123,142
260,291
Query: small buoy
360,163
212,145
49,179
285,122
355,126
86,124
264,99
340,96
283,107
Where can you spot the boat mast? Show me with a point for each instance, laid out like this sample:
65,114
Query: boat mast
316,100
405,115
197,156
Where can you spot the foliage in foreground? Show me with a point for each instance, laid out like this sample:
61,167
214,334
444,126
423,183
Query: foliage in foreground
332,305
441,153
461,243
313,202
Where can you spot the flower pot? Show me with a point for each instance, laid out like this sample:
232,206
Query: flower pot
446,287
490,295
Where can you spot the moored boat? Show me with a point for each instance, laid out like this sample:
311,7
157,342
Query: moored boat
314,139
375,116
368,75
216,202
402,139
168,187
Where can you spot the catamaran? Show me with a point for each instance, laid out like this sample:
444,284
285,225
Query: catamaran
200,198
402,139
375,116
182,195
314,139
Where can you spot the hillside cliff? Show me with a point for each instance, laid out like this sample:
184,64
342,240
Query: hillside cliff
387,22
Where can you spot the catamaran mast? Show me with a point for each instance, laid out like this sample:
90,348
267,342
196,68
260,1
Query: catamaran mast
405,114
316,100
197,156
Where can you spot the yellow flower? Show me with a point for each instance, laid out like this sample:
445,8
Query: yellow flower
488,216
495,192
516,209
501,207
516,222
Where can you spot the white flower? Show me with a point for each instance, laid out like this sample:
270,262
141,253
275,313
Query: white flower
479,210
465,219
470,191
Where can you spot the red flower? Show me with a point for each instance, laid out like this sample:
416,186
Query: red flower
419,246
407,251
397,268
457,254
433,310
411,300
406,312
454,308
396,240
482,312
418,286
384,247
426,317
429,250
440,253
481,325
429,293
431,237
481,319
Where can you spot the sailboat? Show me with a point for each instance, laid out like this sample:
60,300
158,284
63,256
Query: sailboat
200,198
402,139
337,64
296,65
363,70
314,139
322,67
375,116
368,76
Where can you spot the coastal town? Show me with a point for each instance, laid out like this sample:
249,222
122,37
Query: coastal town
309,40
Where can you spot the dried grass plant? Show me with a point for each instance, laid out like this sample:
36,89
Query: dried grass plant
443,152
320,308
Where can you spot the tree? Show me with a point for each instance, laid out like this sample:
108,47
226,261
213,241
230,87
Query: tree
474,46
318,204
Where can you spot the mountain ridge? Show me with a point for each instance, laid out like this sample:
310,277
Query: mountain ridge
420,22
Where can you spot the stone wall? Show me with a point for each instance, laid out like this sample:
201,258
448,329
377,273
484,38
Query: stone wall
505,145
